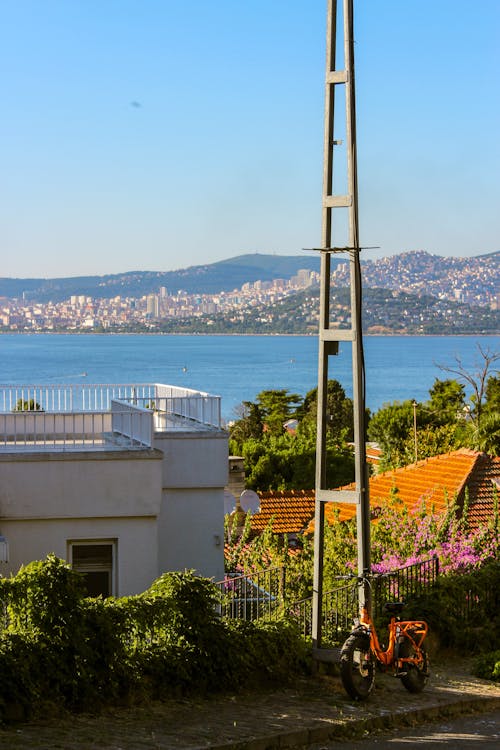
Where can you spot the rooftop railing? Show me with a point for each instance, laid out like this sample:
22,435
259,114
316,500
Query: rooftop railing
90,430
120,415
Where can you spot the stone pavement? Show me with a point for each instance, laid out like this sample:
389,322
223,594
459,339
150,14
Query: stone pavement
314,710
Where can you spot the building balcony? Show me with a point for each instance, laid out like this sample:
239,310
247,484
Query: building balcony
100,417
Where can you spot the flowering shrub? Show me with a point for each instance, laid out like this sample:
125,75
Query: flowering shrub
398,538
401,538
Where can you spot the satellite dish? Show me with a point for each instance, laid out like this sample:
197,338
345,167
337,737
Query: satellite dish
250,501
229,502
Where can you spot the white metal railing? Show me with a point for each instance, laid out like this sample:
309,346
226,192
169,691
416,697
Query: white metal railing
185,403
76,430
132,422
200,409
92,416
71,397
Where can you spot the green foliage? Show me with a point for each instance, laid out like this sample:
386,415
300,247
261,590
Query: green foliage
44,598
30,405
488,666
276,406
444,422
249,426
62,649
279,460
492,394
390,427
446,403
339,413
463,610
289,462
433,441
486,437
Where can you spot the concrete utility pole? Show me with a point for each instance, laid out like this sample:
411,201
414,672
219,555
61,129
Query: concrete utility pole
340,79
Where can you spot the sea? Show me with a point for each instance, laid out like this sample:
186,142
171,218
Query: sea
236,368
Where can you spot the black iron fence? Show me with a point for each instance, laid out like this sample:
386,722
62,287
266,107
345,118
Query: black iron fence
253,596
338,609
263,595
404,584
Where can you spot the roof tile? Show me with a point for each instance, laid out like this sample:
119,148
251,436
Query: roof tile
435,481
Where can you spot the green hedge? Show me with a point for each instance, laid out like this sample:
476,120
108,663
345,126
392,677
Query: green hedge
59,648
488,666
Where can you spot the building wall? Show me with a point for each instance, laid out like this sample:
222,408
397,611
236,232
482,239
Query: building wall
191,531
191,522
194,459
163,506
55,484
49,498
136,543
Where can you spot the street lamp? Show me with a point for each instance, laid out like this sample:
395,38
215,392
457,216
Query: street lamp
414,404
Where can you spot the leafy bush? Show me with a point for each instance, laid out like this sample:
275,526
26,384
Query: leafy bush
488,666
60,648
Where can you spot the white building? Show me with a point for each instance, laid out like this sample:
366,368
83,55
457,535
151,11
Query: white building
123,481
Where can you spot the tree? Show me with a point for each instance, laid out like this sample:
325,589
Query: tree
477,380
432,441
487,435
339,413
248,426
288,462
276,406
390,427
492,395
447,401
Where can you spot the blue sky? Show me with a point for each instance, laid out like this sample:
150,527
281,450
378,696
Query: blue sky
154,135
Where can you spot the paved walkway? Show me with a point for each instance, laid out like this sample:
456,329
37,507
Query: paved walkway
315,710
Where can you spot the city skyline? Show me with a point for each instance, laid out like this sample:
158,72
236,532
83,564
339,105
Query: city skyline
162,136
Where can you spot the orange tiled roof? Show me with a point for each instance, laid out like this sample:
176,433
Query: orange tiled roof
291,510
436,480
482,485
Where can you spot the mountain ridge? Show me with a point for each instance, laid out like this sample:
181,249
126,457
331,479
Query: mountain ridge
224,275
413,271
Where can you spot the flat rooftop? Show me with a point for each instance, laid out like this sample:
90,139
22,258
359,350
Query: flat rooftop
100,417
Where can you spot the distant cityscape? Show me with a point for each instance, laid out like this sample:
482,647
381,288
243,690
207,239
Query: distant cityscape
466,290
81,312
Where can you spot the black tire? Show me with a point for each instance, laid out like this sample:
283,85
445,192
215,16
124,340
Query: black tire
357,667
414,677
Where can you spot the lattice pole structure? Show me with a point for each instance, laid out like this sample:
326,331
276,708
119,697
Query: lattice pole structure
330,336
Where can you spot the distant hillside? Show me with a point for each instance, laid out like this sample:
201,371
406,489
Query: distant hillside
225,275
385,311
472,280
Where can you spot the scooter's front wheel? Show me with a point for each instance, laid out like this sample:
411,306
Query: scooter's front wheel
357,667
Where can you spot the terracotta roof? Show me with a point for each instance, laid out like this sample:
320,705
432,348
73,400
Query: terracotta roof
435,480
373,453
482,485
291,511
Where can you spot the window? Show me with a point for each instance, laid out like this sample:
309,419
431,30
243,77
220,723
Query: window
95,560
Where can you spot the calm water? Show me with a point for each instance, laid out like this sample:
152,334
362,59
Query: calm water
234,367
